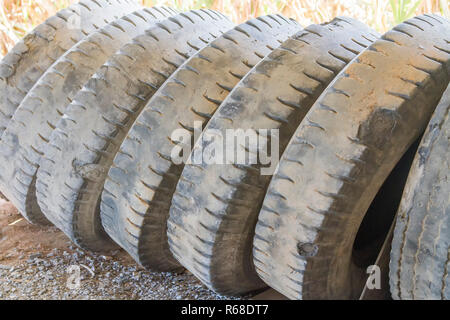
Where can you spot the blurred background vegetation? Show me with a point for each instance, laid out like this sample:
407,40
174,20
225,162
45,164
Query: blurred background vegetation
17,17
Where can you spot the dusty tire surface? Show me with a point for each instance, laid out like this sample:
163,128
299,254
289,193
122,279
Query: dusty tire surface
215,206
81,149
420,251
340,156
29,130
30,58
135,212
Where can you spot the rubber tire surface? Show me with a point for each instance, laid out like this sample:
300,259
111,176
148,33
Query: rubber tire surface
420,254
38,50
340,156
82,148
136,211
215,207
43,106
29,130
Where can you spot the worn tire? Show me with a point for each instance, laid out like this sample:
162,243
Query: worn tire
29,130
135,212
342,153
215,207
83,146
420,254
30,58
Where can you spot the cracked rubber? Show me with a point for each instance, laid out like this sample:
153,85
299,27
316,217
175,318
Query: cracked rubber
138,191
82,148
215,207
420,254
340,156
38,50
29,130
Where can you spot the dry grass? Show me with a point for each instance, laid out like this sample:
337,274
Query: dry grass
17,17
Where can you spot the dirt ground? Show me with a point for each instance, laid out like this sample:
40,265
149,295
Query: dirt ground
20,239
35,263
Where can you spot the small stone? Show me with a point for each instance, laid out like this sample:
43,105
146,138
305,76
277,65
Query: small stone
307,249
35,255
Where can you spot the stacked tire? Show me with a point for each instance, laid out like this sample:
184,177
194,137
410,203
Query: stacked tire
88,112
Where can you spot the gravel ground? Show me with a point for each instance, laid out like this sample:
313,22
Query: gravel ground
40,263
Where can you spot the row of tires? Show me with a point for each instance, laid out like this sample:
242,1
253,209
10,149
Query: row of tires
87,115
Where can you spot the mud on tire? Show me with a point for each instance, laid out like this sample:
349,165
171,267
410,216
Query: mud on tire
215,207
135,212
89,135
340,156
29,130
28,60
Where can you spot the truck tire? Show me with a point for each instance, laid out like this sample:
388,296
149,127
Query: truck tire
89,135
135,211
30,58
215,207
29,129
341,154
420,254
